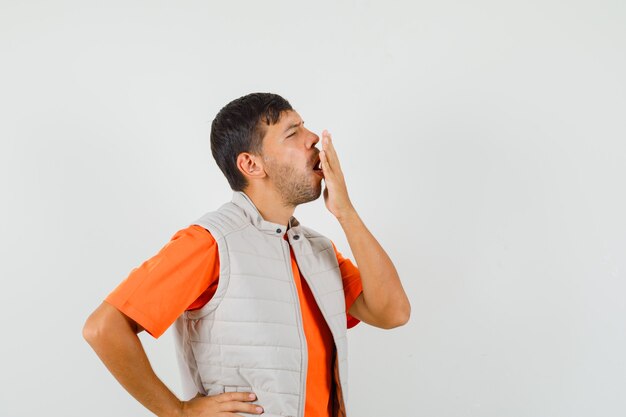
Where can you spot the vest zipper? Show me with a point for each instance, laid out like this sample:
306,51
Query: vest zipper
305,352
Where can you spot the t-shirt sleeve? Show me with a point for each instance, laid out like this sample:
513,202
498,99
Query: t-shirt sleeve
182,275
352,286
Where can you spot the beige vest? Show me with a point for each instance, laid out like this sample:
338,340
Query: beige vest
249,336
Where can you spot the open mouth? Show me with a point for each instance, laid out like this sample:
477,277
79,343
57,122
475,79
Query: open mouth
317,168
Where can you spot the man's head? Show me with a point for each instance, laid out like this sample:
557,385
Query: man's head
259,140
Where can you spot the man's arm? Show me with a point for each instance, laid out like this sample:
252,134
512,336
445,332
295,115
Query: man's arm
113,336
383,302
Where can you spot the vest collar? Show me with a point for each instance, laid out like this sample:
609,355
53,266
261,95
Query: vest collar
244,202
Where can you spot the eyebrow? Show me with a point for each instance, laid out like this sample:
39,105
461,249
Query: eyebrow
294,125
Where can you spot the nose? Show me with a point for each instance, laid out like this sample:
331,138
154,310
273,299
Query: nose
312,139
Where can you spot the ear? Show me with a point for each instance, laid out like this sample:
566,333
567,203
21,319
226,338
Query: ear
250,165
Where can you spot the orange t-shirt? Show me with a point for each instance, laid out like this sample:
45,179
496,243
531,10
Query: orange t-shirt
184,274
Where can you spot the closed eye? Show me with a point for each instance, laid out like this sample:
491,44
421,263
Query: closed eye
295,127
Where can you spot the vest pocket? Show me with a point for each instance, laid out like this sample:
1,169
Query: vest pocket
212,390
221,389
232,388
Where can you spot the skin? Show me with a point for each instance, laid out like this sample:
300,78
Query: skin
279,179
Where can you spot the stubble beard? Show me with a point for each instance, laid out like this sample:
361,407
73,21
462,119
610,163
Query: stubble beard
294,187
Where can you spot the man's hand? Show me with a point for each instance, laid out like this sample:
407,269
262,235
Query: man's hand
335,193
220,405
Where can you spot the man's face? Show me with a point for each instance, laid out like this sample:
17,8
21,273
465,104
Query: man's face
291,160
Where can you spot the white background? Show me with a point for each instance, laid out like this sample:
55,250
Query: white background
483,144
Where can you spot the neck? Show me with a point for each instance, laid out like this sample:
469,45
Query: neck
270,205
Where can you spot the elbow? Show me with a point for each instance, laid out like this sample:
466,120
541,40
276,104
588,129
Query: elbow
403,318
400,317
405,315
91,330
99,325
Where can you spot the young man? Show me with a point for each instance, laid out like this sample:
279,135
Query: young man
261,303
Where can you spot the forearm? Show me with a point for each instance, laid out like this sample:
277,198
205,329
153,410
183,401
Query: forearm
383,294
117,345
383,302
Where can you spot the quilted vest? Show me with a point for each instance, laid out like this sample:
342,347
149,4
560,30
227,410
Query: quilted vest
249,336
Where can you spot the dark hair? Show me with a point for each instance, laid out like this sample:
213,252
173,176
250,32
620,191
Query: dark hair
240,127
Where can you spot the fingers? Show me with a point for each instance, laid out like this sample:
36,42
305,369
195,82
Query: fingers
235,396
234,406
329,149
238,402
326,168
